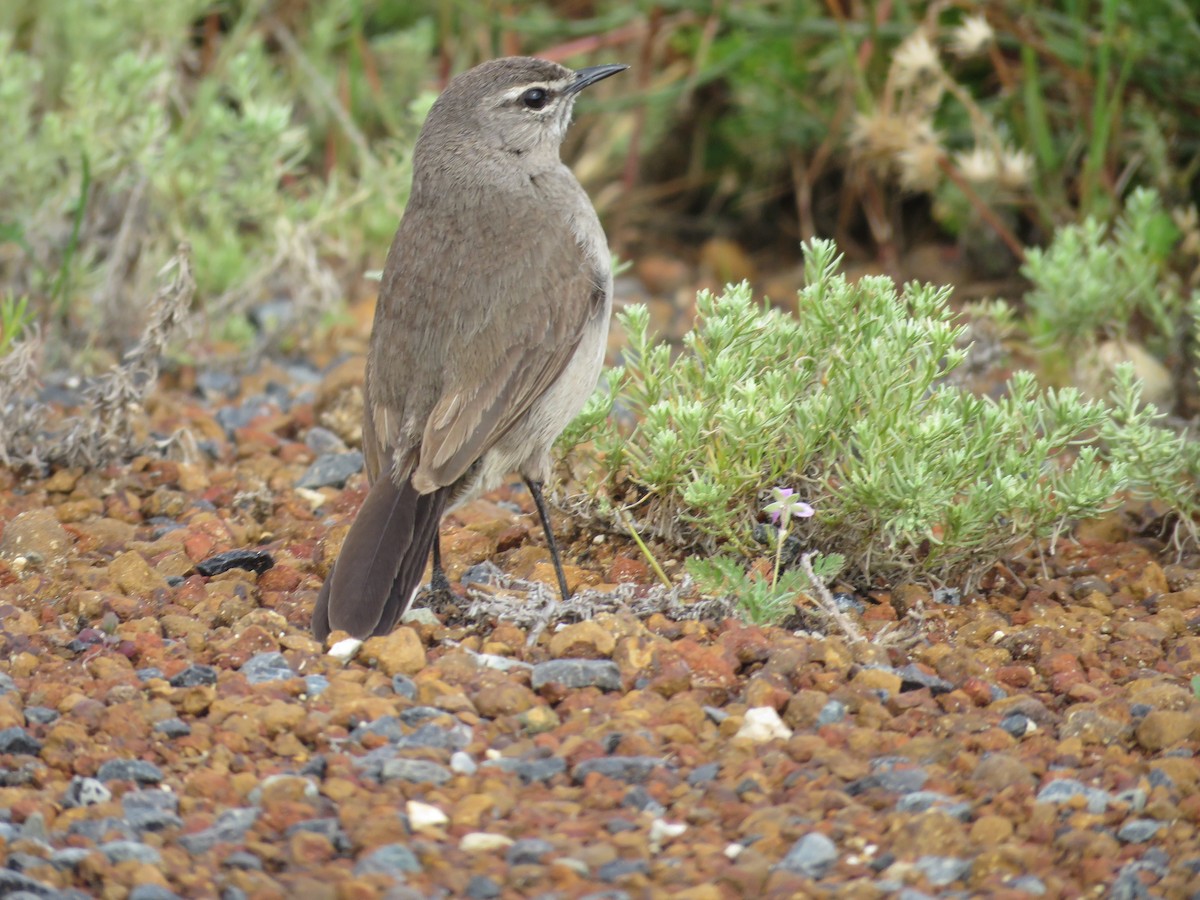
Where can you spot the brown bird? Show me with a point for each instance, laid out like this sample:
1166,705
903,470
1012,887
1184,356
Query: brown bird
489,333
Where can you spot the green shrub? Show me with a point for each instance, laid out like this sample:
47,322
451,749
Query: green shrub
846,402
1093,281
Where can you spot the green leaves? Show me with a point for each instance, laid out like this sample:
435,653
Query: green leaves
847,401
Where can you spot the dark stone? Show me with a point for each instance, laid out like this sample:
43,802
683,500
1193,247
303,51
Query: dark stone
18,741
436,737
7,685
530,770
577,673
1063,789
264,667
150,672
1017,725
331,470
195,675
12,881
913,677
257,561
528,851
637,797
134,801
172,728
631,769
315,767
1138,831
322,441
130,770
414,715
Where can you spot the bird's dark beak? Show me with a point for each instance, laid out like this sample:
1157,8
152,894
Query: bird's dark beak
590,75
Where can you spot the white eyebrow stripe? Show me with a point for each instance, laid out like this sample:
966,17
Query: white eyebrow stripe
553,87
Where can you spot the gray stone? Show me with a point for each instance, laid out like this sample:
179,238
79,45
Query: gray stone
831,713
921,801
231,826
703,774
1030,884
577,673
264,667
195,675
619,868
461,763
1138,831
528,851
244,860
913,676
17,740
315,685
172,728
7,685
12,882
130,851
480,887
40,715
322,441
331,470
630,769
152,892
418,771
330,827
68,857
940,871
138,770
530,770
390,859
404,686
436,737
811,856
1063,789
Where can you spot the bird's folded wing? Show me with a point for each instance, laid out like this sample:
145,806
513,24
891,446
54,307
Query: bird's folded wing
505,346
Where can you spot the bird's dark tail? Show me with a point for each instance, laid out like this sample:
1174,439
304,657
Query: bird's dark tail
381,563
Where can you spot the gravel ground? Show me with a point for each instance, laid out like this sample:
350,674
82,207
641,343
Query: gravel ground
169,729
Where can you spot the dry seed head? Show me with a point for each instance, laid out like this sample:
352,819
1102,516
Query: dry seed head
971,37
1015,169
978,165
916,61
901,144
919,163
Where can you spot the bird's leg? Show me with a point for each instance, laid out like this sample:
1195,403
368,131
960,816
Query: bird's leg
438,582
535,488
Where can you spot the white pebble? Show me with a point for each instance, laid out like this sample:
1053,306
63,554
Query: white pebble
461,763
662,831
423,815
343,651
734,850
482,841
763,724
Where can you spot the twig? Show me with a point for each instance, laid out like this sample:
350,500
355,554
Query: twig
824,600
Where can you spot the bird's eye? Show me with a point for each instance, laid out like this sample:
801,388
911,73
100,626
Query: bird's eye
534,98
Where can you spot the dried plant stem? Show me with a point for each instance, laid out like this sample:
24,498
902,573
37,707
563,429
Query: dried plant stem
824,599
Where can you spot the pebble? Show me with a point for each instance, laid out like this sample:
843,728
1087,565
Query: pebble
130,851
577,673
531,770
630,769
462,764
1137,831
331,470
257,561
195,675
484,841
921,801
1062,790
85,792
138,770
17,740
172,728
831,713
394,860
763,724
152,892
40,715
424,816
528,851
940,871
418,771
480,887
397,653
230,827
811,856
